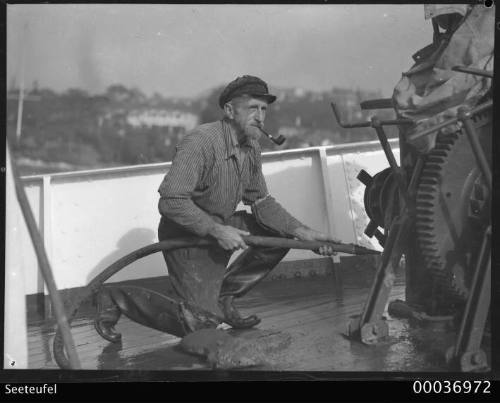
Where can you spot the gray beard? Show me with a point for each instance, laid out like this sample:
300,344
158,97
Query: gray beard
253,133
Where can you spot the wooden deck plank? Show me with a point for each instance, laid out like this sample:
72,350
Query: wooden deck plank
314,311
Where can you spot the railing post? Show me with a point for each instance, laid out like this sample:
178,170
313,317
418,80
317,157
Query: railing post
327,197
43,260
46,231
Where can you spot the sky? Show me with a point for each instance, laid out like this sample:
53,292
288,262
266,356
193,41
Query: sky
185,50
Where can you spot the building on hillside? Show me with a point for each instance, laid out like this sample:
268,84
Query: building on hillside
162,118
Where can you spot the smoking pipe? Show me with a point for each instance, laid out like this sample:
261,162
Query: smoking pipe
276,140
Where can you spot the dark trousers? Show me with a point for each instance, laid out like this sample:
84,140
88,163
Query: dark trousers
199,275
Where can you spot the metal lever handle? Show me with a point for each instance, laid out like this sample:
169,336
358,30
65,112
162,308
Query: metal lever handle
382,103
367,123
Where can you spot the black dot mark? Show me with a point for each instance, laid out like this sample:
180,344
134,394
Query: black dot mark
488,3
12,363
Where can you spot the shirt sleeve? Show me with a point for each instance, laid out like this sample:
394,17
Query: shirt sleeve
267,211
274,217
177,187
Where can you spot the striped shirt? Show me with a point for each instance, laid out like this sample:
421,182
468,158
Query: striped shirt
209,176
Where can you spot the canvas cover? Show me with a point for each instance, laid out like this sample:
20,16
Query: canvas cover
430,92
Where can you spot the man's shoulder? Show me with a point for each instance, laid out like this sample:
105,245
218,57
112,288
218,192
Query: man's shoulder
204,134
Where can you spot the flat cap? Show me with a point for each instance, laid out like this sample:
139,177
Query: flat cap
246,85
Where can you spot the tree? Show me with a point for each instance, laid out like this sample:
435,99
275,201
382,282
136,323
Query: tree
210,109
118,93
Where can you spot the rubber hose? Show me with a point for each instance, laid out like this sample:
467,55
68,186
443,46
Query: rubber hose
95,284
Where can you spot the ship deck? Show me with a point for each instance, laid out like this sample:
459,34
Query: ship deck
314,311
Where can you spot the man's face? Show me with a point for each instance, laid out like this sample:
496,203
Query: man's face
248,114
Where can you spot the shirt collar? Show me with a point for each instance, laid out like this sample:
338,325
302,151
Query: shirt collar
230,140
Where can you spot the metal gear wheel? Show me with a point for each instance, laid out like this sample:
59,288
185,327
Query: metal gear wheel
452,209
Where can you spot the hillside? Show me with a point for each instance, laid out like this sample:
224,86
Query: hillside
75,130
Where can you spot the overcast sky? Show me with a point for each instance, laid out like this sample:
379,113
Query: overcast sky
184,50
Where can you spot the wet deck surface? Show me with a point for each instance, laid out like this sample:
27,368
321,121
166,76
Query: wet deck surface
314,311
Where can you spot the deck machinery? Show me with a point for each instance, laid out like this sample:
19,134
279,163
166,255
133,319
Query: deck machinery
434,208
434,211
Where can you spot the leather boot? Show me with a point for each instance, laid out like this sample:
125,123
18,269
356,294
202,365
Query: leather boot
194,319
241,276
233,318
108,314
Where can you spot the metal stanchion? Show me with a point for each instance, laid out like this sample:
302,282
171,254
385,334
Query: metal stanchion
45,268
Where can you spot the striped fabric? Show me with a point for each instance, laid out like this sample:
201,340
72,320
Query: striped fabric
208,178
210,175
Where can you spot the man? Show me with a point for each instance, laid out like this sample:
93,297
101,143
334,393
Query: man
217,166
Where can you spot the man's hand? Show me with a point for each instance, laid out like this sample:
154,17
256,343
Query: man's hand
228,237
307,234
